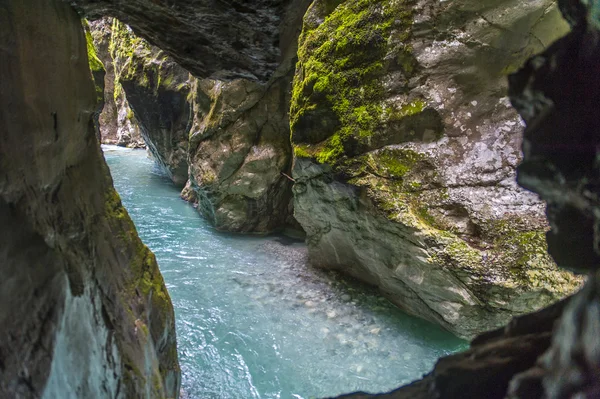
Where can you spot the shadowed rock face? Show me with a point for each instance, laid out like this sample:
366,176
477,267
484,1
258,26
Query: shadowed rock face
554,353
84,311
156,88
209,38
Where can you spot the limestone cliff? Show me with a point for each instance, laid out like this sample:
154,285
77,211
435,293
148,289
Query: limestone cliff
406,149
232,136
117,122
84,312
554,353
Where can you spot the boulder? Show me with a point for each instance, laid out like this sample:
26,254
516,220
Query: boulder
406,150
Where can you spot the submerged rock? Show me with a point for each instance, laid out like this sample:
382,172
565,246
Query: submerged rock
406,149
84,311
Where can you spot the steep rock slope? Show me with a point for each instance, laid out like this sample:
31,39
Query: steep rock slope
239,150
157,90
553,353
117,122
406,148
232,136
84,311
98,77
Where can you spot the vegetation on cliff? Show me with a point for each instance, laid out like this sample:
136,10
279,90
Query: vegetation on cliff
338,99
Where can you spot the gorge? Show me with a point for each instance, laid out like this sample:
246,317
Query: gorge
381,131
254,321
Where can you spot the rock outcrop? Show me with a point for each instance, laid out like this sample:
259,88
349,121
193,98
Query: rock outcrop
232,136
84,312
239,153
157,90
117,122
406,149
553,353
211,39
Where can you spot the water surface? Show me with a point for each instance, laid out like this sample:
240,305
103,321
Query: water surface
254,321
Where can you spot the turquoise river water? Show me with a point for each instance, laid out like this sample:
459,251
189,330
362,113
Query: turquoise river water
254,320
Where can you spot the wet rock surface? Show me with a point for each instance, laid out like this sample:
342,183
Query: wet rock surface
406,151
239,153
83,307
117,122
552,93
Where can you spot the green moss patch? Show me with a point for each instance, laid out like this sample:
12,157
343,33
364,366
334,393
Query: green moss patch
338,92
94,61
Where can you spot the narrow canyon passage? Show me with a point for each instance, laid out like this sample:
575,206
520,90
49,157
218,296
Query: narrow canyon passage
253,320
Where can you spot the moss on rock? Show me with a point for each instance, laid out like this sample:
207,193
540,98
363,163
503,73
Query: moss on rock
96,66
338,93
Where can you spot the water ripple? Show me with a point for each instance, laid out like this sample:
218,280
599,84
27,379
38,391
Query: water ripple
254,321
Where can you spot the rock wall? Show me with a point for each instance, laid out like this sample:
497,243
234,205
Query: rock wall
230,139
405,144
211,39
553,353
157,90
98,77
239,152
406,150
84,312
117,123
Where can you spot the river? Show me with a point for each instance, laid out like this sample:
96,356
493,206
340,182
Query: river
254,320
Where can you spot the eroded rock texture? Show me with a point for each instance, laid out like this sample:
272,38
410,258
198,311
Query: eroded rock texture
553,353
157,90
84,312
231,139
406,150
117,123
217,39
239,152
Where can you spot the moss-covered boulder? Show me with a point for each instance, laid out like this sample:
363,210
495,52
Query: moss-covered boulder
405,154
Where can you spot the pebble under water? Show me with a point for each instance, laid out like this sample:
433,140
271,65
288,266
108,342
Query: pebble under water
254,321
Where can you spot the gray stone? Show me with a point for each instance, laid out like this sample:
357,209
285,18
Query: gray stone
220,40
84,311
118,125
408,183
